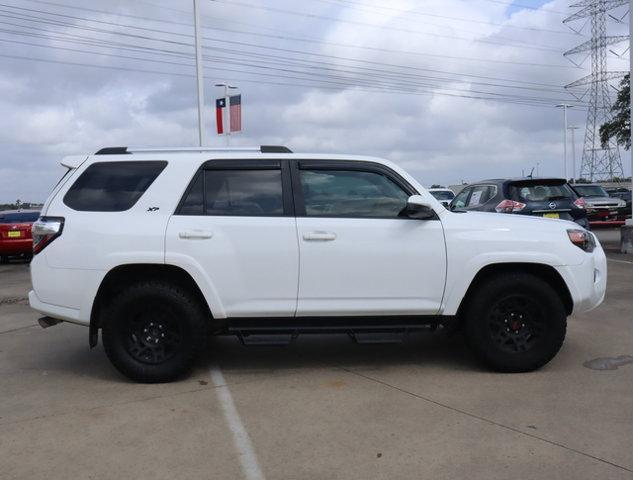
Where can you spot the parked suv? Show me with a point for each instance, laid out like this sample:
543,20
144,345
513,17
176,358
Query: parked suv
15,233
541,197
601,208
158,248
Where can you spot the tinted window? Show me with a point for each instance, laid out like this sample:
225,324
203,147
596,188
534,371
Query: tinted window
19,217
591,191
112,186
243,192
193,204
351,194
460,200
481,194
540,193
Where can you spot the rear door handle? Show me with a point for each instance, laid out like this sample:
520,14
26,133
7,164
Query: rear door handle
319,236
195,234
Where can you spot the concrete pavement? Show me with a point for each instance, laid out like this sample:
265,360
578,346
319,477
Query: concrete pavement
322,408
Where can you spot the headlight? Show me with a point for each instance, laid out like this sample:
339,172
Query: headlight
582,239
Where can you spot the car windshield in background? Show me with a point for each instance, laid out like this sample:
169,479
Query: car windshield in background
591,191
534,192
443,195
19,217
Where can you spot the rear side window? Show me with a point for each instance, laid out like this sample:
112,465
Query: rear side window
481,194
19,217
112,186
235,192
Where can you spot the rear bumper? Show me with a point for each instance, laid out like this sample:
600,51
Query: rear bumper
55,311
63,293
16,247
607,223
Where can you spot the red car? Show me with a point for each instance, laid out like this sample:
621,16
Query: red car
15,233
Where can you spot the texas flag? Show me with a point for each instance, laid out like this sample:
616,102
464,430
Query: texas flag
220,103
235,110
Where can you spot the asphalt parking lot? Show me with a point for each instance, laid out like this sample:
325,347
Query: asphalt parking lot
322,408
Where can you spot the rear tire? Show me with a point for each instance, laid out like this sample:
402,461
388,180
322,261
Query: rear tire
154,331
515,322
4,259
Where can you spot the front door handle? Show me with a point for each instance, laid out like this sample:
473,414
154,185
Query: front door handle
195,234
319,236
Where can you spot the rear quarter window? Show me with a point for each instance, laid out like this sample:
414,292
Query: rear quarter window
112,186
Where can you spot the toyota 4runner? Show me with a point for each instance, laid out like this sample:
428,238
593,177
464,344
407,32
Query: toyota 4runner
158,248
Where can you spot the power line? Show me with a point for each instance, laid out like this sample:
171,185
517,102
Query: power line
328,78
388,73
382,27
445,17
19,57
527,7
300,52
278,35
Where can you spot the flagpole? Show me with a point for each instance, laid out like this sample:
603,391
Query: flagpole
199,66
227,107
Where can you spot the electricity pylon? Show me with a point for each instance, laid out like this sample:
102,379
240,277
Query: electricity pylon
598,162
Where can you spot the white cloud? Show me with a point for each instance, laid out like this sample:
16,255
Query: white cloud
48,110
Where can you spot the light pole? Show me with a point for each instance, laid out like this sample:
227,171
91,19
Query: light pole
199,77
573,152
565,106
537,165
227,108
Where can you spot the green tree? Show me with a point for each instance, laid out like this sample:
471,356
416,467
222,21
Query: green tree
620,127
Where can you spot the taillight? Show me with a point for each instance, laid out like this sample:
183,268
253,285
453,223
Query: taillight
582,239
509,206
580,203
44,231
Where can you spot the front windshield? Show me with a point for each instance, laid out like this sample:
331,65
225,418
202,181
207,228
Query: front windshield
591,191
443,195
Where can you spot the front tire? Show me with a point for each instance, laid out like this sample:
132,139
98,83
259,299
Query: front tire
515,322
154,331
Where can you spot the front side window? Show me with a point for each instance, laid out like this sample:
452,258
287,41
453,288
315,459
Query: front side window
238,192
460,200
350,193
112,186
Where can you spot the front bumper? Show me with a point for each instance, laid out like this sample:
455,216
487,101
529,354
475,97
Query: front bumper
587,282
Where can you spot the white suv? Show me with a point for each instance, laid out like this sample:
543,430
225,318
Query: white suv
160,247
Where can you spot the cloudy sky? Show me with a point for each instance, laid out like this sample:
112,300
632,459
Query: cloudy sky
452,90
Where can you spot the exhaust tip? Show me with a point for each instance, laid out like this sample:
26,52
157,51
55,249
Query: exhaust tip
46,322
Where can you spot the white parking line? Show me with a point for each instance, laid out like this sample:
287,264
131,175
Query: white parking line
619,261
241,439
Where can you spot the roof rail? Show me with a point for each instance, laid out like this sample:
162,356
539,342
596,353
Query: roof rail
125,150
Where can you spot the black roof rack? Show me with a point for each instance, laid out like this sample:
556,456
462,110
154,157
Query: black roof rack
275,149
112,151
124,150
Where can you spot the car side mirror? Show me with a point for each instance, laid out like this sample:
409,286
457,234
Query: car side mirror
418,208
